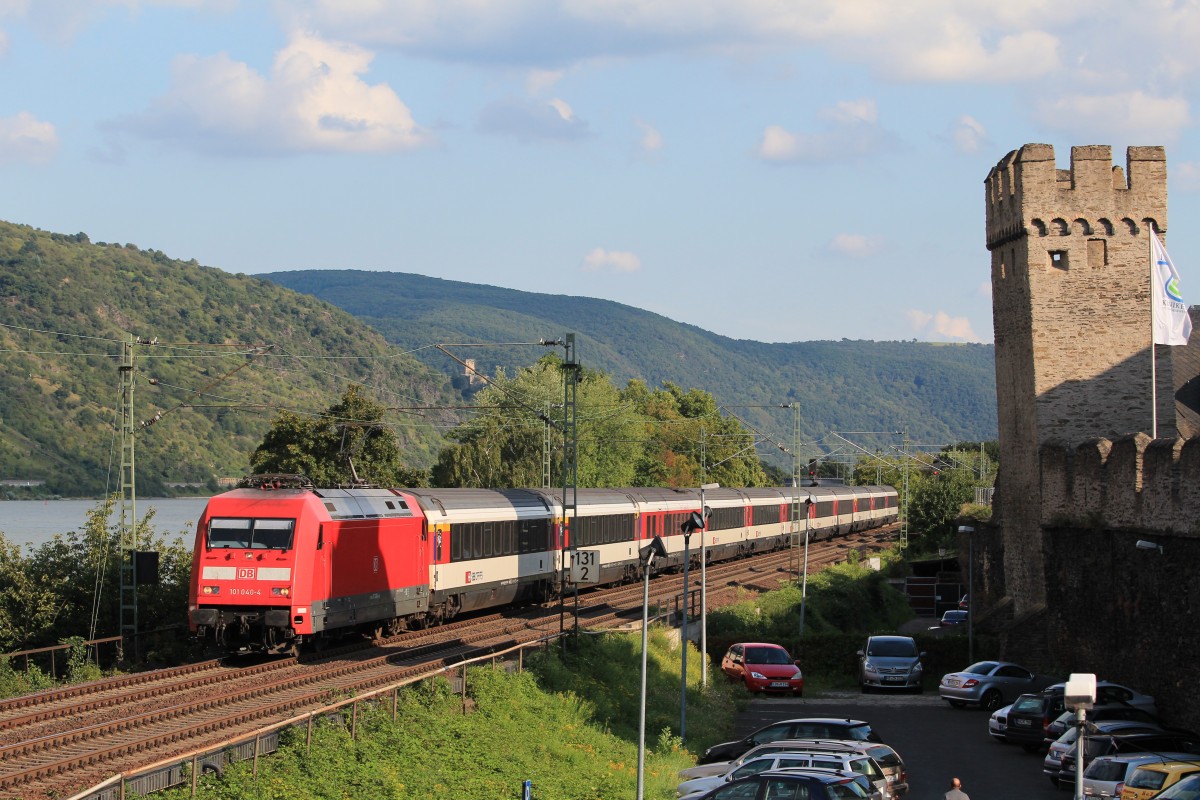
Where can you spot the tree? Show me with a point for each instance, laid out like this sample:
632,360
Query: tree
504,446
348,444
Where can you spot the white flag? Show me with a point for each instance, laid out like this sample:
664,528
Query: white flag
1171,322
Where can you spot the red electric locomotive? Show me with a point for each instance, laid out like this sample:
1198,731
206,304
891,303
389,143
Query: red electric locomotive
279,564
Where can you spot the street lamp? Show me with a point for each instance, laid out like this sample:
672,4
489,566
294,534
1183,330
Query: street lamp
646,557
1079,695
704,586
808,503
970,533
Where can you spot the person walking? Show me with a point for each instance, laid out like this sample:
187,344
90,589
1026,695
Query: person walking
956,792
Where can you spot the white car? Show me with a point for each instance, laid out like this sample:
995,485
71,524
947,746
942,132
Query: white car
851,763
998,723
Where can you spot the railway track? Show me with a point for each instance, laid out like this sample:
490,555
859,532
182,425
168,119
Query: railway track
58,742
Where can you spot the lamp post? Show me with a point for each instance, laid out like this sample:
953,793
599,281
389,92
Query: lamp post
808,502
970,533
646,556
704,586
1079,695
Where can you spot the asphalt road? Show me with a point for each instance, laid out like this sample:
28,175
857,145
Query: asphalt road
936,742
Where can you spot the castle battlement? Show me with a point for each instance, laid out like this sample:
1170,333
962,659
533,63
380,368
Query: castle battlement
1027,194
1130,483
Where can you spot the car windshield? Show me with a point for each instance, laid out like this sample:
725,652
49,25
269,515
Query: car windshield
892,648
981,668
1147,779
1186,789
838,791
885,756
767,655
859,733
1102,770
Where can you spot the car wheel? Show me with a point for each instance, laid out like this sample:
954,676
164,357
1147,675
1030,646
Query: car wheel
957,704
991,700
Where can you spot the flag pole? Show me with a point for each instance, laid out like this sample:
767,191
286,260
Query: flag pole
1153,349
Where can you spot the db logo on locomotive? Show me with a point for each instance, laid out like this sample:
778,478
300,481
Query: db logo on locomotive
246,573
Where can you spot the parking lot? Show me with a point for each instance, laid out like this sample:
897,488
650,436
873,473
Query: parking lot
936,742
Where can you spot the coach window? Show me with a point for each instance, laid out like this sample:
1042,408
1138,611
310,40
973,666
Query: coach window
488,534
456,536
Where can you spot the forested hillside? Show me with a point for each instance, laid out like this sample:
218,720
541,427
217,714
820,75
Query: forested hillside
223,355
937,393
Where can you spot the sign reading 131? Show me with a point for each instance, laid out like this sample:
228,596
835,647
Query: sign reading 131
585,566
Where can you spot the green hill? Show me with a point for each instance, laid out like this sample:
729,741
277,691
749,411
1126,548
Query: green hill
939,393
67,305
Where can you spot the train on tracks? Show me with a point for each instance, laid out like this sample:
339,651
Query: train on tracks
278,563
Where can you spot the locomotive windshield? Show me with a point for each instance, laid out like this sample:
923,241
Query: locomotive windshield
250,534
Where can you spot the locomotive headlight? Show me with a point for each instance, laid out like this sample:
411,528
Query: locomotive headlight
210,590
281,591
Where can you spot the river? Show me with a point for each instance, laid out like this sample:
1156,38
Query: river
34,522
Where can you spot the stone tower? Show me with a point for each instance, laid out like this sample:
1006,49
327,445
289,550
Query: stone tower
1071,311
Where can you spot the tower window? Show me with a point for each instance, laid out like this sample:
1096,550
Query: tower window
1058,259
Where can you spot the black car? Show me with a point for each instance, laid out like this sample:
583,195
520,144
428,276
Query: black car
1122,711
1028,718
805,728
790,784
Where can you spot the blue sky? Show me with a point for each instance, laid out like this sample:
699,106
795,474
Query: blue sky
765,169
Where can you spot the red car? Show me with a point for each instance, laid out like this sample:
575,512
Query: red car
764,668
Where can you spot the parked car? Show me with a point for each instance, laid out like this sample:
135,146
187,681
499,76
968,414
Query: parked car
782,783
763,667
1105,776
1150,779
998,724
1099,714
1157,742
888,759
803,728
1064,746
1186,789
990,684
890,662
953,617
1031,714
850,762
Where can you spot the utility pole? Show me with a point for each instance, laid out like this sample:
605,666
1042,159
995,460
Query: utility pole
570,474
904,519
128,525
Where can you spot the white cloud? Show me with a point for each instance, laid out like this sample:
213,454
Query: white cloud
611,261
847,112
968,135
563,109
1186,176
1132,116
855,245
26,139
539,80
918,319
852,133
940,323
532,120
313,100
652,140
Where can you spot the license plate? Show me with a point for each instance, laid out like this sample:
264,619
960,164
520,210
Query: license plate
893,680
1023,722
952,682
779,684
